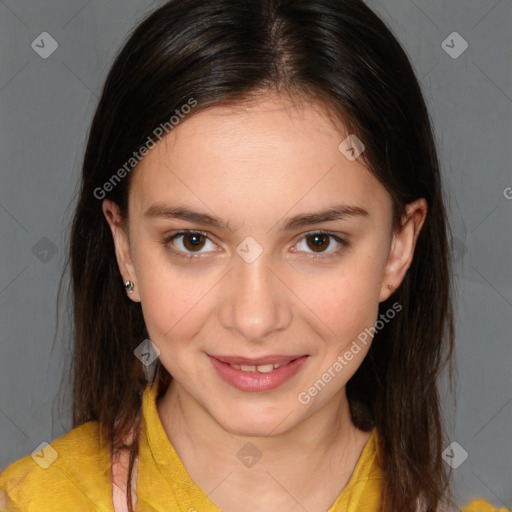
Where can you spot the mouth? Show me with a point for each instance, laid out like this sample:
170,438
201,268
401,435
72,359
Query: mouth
262,364
260,368
258,374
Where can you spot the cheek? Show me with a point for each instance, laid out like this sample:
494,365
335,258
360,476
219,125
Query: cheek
167,304
173,299
344,300
174,310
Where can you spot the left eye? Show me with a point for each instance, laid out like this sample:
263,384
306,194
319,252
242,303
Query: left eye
320,241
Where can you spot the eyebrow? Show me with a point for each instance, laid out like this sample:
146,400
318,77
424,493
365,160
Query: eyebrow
339,212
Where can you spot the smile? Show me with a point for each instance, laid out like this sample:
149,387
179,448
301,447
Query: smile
257,375
262,368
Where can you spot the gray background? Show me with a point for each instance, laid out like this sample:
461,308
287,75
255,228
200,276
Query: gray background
46,106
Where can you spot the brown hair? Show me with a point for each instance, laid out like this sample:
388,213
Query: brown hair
339,53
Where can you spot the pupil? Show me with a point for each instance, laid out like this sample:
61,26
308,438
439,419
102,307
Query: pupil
319,240
194,240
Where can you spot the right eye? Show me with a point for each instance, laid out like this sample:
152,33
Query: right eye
187,242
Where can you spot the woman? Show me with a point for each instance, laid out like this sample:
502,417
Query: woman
261,217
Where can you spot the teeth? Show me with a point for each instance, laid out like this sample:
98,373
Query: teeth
262,368
265,368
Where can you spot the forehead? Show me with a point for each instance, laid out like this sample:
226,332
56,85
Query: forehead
263,155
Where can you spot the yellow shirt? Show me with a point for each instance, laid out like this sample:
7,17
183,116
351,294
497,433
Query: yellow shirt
72,474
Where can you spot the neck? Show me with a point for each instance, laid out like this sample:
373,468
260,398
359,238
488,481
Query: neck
320,450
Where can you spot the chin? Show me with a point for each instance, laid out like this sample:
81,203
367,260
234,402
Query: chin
255,422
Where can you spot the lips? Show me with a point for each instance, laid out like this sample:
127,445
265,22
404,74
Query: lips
257,374
260,368
271,359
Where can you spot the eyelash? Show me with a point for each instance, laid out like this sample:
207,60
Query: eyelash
190,256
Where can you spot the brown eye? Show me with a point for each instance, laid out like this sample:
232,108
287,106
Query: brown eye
188,242
319,242
193,241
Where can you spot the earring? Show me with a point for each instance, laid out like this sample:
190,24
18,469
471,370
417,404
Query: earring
128,286
391,287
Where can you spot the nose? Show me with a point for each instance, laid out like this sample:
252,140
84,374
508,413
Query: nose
257,304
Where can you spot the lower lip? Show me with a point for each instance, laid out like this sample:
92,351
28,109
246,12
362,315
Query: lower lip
254,381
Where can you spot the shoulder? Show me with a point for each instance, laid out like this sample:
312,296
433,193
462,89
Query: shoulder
72,473
480,505
476,505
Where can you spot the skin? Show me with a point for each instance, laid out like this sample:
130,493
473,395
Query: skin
255,166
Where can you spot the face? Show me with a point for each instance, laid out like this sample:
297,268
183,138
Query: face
259,254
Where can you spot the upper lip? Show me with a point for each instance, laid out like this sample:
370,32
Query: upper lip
271,359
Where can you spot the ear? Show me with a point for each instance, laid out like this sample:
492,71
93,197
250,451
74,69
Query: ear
122,246
402,247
